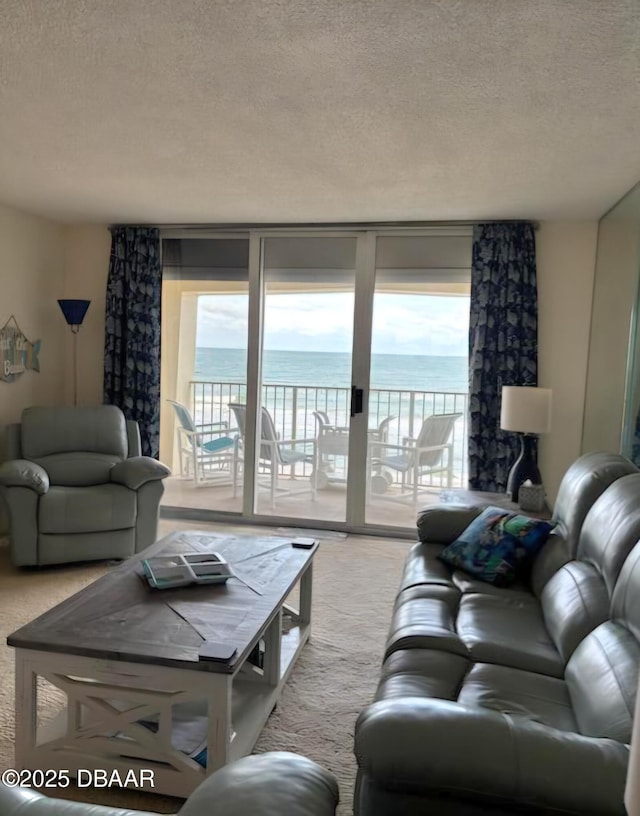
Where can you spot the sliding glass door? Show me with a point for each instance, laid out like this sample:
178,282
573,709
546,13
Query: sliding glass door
321,366
419,375
308,289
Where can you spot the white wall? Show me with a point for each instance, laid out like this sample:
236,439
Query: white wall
31,281
86,266
566,253
42,262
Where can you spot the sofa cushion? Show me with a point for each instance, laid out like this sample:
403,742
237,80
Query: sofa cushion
422,673
583,483
611,529
625,603
553,555
497,546
522,694
508,630
422,623
94,509
602,678
442,524
449,594
423,566
574,601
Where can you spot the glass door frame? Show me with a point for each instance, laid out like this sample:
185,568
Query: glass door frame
360,378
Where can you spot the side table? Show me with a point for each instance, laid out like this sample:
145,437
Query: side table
485,498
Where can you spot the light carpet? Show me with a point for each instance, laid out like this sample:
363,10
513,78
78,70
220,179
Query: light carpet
354,584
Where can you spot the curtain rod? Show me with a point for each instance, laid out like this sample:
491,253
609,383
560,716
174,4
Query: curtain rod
333,225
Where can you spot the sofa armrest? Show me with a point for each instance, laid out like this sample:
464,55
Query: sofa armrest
272,784
138,470
23,473
442,525
444,747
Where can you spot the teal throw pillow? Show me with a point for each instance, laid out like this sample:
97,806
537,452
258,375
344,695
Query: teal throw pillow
498,546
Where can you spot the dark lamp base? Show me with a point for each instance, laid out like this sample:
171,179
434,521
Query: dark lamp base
524,468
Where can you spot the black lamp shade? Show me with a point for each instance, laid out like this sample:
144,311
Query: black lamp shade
74,310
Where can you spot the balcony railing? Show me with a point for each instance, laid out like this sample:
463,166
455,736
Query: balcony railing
292,407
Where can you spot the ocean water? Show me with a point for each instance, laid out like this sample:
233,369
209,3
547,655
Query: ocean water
333,369
296,383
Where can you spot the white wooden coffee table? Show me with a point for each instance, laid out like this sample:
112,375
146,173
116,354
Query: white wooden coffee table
125,661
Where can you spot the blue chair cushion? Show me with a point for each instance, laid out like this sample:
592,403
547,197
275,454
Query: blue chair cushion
219,444
498,546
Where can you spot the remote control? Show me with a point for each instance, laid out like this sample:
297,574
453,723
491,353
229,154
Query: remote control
303,543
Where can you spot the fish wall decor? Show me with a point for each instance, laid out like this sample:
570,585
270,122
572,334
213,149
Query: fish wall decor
17,352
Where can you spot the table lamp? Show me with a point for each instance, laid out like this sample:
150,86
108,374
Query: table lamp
527,411
74,312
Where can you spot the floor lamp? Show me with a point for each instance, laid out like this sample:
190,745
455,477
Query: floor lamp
74,312
526,410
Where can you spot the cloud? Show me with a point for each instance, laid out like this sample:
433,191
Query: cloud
420,324
223,321
317,316
402,324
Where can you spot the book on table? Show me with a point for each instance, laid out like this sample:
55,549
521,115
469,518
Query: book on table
171,571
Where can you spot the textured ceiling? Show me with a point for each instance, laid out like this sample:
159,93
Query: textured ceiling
177,111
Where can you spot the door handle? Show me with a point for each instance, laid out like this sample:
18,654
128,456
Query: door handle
356,400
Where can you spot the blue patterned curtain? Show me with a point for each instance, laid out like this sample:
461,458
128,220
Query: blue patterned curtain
503,343
635,444
132,333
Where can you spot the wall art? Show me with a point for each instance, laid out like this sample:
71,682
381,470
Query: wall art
17,352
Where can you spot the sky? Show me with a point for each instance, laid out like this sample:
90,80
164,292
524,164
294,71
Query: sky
402,324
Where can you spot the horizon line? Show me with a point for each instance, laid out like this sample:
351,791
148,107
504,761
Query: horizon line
313,351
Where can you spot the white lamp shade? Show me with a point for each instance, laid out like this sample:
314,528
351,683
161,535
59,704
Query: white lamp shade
526,409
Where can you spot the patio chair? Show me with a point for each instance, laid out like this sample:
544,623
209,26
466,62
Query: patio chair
431,452
205,451
333,440
275,454
380,434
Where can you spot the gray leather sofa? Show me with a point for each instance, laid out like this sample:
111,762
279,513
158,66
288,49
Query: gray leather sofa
514,700
272,784
77,488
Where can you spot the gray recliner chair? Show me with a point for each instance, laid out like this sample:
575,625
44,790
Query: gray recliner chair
77,488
